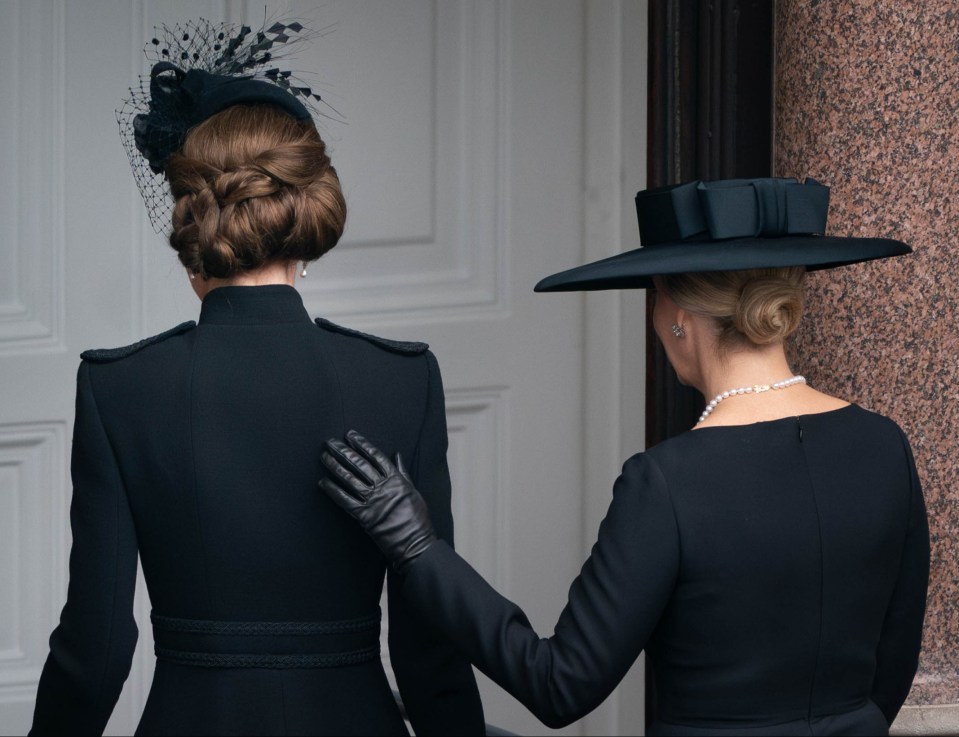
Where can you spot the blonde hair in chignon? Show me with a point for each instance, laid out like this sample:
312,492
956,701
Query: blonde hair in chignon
253,185
760,306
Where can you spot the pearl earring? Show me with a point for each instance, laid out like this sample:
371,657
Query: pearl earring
303,272
678,331
192,275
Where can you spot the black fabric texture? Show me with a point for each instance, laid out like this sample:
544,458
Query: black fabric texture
202,452
774,573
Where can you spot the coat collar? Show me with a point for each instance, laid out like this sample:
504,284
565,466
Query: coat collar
272,304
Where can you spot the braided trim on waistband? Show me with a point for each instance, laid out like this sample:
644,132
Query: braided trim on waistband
237,660
213,627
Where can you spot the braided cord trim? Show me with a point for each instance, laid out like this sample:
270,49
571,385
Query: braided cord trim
106,355
213,627
237,660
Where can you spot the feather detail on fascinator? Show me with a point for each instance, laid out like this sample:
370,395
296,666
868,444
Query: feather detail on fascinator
199,68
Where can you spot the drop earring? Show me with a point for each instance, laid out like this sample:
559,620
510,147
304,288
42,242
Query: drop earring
303,272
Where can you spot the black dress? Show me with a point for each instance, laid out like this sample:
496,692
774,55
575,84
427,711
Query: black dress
775,574
200,448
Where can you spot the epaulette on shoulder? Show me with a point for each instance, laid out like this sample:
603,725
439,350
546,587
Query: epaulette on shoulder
105,355
396,346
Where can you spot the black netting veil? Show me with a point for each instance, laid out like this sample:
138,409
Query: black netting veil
197,68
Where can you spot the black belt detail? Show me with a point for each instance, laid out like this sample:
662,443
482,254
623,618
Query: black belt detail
237,660
212,627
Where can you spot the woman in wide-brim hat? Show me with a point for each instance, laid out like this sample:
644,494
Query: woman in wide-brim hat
772,562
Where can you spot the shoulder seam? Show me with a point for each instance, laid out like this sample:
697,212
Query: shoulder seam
669,496
105,355
426,412
396,346
910,467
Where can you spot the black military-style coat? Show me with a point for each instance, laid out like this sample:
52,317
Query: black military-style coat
774,573
200,449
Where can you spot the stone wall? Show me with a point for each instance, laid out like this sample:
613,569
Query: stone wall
867,102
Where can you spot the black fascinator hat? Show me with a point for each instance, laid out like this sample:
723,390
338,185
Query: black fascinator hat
726,225
198,69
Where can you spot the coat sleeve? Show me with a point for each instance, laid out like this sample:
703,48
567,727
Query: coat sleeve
613,607
898,654
435,679
92,648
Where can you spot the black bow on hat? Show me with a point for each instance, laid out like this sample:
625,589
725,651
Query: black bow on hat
726,225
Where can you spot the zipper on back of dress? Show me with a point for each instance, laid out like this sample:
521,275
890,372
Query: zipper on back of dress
812,490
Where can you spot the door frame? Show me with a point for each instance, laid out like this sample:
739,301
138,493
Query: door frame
710,116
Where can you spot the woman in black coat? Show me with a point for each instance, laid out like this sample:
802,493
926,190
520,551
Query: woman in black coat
199,450
772,562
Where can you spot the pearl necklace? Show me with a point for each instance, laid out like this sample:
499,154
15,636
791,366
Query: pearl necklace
756,389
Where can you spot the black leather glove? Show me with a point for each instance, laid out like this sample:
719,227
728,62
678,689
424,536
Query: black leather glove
380,496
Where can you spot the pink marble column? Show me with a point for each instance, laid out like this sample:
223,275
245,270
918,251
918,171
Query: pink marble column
867,102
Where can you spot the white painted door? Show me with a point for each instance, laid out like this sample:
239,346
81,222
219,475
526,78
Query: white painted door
485,145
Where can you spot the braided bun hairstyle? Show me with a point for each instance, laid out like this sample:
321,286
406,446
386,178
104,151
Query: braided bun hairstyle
754,306
253,185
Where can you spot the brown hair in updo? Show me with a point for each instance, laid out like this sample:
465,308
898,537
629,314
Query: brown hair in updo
253,185
754,306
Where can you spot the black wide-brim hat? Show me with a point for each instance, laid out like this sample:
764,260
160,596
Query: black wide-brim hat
726,225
